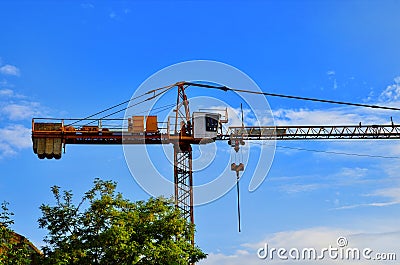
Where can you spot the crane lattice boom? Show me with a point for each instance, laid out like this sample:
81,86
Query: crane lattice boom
59,133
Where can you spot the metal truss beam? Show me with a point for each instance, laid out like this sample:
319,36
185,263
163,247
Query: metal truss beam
183,180
314,132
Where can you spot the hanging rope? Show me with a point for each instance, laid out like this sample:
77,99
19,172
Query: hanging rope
238,199
238,165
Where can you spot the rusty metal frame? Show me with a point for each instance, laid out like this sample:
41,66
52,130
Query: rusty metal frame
246,133
183,179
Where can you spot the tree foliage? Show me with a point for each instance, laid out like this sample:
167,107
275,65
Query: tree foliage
14,249
105,228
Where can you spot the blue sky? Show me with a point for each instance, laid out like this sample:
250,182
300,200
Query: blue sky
73,58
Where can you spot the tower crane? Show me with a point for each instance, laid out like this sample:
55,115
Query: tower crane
50,136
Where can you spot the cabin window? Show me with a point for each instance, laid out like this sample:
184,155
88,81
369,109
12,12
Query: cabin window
211,124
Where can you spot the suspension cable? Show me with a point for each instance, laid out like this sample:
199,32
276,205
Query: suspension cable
122,103
224,88
138,103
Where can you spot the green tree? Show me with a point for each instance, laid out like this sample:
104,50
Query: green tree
14,249
105,228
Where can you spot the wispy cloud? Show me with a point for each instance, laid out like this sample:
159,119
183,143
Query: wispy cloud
16,111
353,174
15,106
14,138
297,188
6,92
112,15
372,204
119,15
331,75
390,195
10,94
333,116
4,83
87,5
9,70
392,91
21,111
330,72
343,177
315,117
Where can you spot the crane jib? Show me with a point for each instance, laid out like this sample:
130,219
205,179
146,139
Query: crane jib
49,137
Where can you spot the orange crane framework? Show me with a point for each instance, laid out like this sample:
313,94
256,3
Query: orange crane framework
182,131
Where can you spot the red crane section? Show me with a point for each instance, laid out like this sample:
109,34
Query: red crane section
51,137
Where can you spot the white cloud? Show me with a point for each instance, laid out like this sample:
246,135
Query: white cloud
315,117
22,110
119,14
310,237
392,92
87,5
13,138
355,173
10,94
16,135
9,70
309,183
372,204
331,72
15,107
296,188
331,76
6,92
316,237
335,85
113,15
336,116
393,193
390,195
6,150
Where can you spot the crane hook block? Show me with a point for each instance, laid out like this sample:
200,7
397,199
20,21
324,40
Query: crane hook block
237,168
